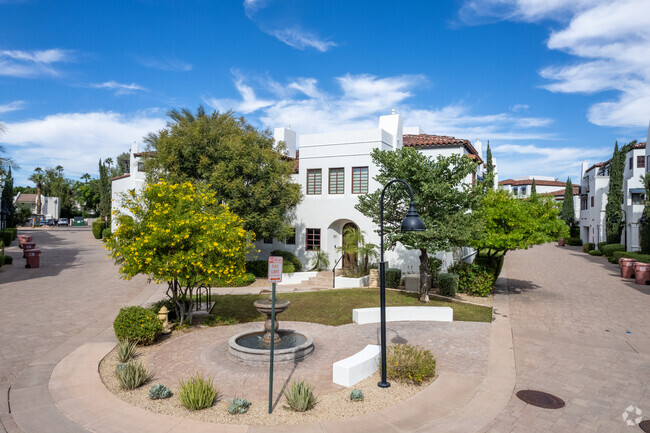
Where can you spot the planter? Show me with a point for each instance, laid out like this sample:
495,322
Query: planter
374,278
627,267
641,273
412,282
560,242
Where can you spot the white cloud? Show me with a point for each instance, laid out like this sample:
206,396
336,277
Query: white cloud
294,36
560,161
301,39
17,63
519,107
164,63
74,140
360,101
12,106
120,89
609,38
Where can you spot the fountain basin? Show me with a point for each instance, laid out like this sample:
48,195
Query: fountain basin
293,346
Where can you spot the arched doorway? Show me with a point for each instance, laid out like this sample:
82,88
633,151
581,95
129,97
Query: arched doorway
350,246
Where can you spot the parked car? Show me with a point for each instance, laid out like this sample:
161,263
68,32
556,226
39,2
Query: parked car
51,222
42,222
62,222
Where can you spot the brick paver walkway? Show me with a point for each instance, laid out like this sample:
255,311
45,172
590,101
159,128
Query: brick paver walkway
580,333
75,291
460,347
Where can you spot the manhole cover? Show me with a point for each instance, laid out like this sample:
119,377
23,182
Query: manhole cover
540,399
645,425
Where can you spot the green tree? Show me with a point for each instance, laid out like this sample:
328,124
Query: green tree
104,191
122,164
533,191
443,197
87,195
38,177
489,169
85,177
5,162
568,211
356,249
241,165
613,230
511,224
181,235
7,200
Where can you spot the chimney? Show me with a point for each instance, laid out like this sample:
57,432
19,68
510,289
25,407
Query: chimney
287,135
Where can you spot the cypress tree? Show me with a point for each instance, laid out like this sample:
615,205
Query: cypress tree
489,174
613,230
533,191
7,199
568,211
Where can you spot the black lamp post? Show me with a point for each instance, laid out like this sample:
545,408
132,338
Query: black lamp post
614,220
5,214
411,223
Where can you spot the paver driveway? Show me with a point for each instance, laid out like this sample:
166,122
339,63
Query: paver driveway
75,293
581,333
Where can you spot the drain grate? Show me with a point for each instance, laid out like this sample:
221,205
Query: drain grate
645,425
540,399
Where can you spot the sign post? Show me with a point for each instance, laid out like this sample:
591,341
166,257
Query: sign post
275,276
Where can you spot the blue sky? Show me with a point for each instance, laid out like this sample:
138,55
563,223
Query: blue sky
548,82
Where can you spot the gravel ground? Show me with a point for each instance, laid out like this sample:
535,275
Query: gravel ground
332,406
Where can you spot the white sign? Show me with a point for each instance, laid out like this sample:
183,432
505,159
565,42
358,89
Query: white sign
275,269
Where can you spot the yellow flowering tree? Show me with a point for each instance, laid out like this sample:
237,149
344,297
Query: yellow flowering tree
179,234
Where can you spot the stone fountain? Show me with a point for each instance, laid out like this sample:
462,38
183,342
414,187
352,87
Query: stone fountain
255,347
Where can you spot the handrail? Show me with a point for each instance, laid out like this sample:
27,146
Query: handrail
334,271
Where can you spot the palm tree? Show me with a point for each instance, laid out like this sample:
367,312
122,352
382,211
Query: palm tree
355,247
59,169
109,162
5,163
38,177
85,177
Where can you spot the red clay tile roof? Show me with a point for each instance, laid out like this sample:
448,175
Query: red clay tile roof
120,177
428,140
27,198
638,146
598,165
530,182
296,159
560,192
139,154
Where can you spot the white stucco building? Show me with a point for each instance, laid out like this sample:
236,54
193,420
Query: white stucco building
50,206
334,169
593,198
133,179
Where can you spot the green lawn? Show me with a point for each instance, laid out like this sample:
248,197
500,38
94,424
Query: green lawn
334,307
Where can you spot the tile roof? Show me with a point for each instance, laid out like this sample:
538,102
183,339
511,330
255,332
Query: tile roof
428,140
638,146
27,198
121,177
530,182
139,154
560,192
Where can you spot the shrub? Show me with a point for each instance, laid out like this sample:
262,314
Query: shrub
596,252
300,396
106,233
411,364
601,245
434,269
610,249
643,258
126,350
393,277
137,324
8,260
289,257
611,239
97,228
588,247
2,260
159,391
356,395
197,393
6,236
473,279
246,280
574,242
259,268
448,284
132,375
287,267
238,405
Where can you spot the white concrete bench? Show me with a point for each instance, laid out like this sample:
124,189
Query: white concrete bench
357,367
361,316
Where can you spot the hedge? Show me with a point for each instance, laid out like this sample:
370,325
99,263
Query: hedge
596,252
8,260
574,242
97,228
448,284
6,236
393,277
588,247
289,257
610,249
643,258
106,233
260,268
601,245
137,324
